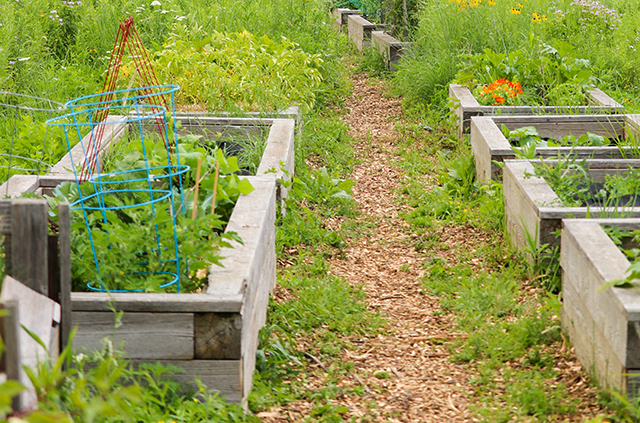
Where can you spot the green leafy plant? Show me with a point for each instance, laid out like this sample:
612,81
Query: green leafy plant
552,74
459,179
239,71
126,241
570,180
628,243
524,141
102,386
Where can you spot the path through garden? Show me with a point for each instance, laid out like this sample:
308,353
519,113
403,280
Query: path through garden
406,371
422,384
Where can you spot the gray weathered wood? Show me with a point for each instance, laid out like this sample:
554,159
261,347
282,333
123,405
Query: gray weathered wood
17,185
157,302
390,48
64,254
29,244
5,218
604,324
465,106
242,263
250,267
279,155
40,315
218,336
223,376
11,358
114,129
532,209
340,15
360,30
166,335
490,147
257,310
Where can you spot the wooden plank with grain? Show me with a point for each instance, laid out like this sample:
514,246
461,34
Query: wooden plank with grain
166,335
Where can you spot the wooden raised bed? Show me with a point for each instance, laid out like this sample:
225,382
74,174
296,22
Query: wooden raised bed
340,16
390,48
465,105
360,30
531,206
490,147
603,325
211,335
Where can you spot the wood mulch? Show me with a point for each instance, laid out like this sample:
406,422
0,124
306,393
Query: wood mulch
406,372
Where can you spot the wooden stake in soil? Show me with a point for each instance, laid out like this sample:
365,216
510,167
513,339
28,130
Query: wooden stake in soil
215,188
195,194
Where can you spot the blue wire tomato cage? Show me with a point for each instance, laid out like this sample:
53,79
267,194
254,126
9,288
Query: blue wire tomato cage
150,187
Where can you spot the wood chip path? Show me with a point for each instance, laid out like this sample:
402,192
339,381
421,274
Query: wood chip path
420,383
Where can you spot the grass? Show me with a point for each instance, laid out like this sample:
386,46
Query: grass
510,319
512,337
315,314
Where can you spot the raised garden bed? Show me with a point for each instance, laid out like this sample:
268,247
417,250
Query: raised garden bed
603,324
340,16
465,106
490,147
390,48
212,335
360,30
533,211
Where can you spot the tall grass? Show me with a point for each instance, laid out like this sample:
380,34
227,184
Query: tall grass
449,31
65,47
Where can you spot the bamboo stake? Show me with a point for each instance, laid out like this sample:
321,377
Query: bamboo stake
195,195
215,188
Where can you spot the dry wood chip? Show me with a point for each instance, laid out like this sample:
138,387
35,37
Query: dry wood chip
421,383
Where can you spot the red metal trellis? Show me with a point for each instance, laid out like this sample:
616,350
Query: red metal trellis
127,38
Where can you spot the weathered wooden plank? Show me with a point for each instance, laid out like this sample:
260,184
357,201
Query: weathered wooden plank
114,129
593,351
218,336
242,262
360,30
466,106
279,155
586,250
280,149
166,335
17,185
485,139
340,15
603,324
223,376
157,302
257,312
29,244
389,47
597,97
64,253
521,206
489,145
11,363
40,315
5,221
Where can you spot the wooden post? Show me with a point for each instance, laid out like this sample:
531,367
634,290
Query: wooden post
11,357
194,212
29,244
64,227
